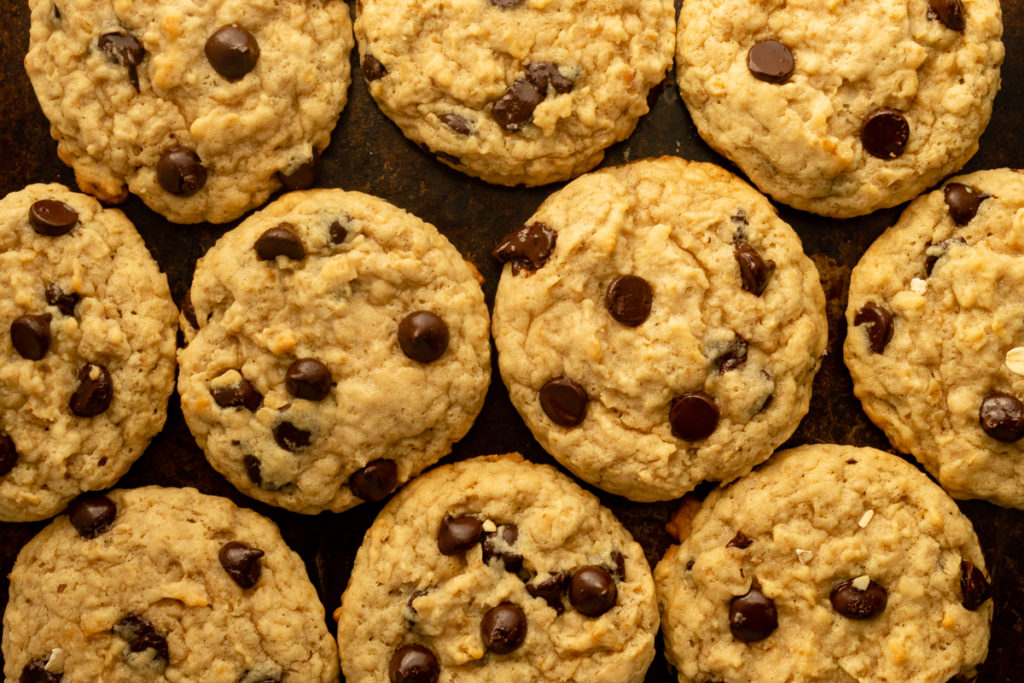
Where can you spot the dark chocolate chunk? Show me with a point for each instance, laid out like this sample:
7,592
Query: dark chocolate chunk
30,335
237,395
35,672
1002,417
423,336
94,392
8,453
413,664
252,469
501,544
949,12
543,74
241,562
372,68
885,133
51,217
755,272
934,252
308,378
526,248
564,401
592,591
973,586
878,324
752,617
232,51
457,123
65,303
629,299
740,541
551,590
180,171
92,514
770,61
516,106
280,241
126,51
963,202
458,534
693,416
302,177
338,232
854,603
503,628
290,437
375,481
734,355
141,635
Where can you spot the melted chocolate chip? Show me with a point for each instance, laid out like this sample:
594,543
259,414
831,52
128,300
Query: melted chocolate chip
252,469
338,233
853,603
543,74
290,437
878,324
770,61
35,672
551,590
1002,417
564,401
526,248
885,133
8,454
592,591
693,416
280,241
931,258
503,628
734,355
458,124
94,392
232,51
375,481
423,336
516,106
92,514
752,617
308,378
302,177
508,534
65,303
141,635
949,12
628,299
740,541
180,172
974,587
51,217
126,51
458,534
413,664
241,562
963,202
238,395
30,335
372,68
755,272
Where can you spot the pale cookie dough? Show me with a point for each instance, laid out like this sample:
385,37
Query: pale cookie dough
162,584
829,563
493,570
202,108
341,348
936,334
515,91
856,105
86,349
672,333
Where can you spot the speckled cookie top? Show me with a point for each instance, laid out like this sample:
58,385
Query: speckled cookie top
201,107
337,345
841,108
936,334
658,325
515,91
496,569
829,563
161,584
86,349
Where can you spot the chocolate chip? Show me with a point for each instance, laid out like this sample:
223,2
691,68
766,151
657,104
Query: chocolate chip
141,635
734,355
180,172
854,603
1002,417
308,378
973,586
949,12
934,252
126,51
693,416
503,628
252,469
740,541
619,570
963,202
413,664
770,61
551,590
232,51
51,217
592,591
290,437
516,106
501,544
885,133
543,74
92,514
423,336
752,617
94,391
302,177
35,672
564,401
375,481
237,395
629,299
30,335
506,4
458,534
65,303
338,232
372,68
755,272
526,248
457,123
739,219
241,562
8,453
878,322
280,241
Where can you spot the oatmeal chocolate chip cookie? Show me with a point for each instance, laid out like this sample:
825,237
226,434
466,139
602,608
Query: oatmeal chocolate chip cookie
846,107
86,349
162,584
515,91
496,569
202,108
935,342
829,563
658,325
337,345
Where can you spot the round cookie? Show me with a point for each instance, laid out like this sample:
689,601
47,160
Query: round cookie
86,349
163,584
658,325
936,334
844,108
829,563
202,108
515,91
337,345
496,569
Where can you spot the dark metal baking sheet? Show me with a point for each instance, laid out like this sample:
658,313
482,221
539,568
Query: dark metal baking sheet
369,154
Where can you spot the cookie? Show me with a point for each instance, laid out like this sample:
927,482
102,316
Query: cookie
163,584
86,349
846,107
515,91
829,563
202,108
935,340
337,345
658,325
496,569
